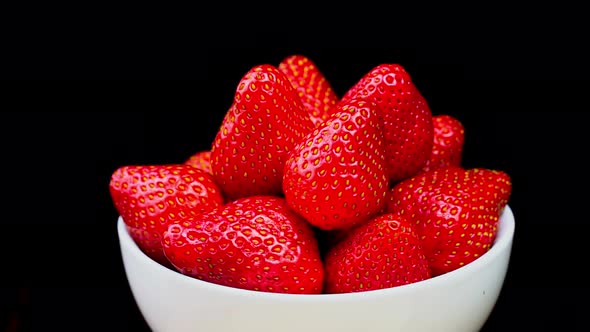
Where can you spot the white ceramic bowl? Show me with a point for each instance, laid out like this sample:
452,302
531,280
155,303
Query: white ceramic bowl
458,301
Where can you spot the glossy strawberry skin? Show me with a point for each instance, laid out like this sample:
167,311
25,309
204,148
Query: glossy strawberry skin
406,116
148,197
496,188
449,139
313,88
263,124
256,243
456,212
336,177
200,160
385,252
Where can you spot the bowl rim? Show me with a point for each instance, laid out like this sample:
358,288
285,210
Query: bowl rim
502,242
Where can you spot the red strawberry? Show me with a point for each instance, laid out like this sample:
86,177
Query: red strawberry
382,253
497,188
312,86
149,197
201,160
456,212
256,243
449,138
406,116
262,126
336,177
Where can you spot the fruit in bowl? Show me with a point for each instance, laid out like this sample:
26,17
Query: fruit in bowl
312,212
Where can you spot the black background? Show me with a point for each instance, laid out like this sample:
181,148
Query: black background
86,97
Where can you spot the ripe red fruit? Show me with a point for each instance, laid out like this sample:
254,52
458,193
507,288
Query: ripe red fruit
256,243
406,117
449,138
263,124
497,185
201,160
312,86
148,197
336,177
382,253
456,212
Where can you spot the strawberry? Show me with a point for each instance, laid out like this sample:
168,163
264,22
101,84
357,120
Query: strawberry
201,160
315,90
497,188
382,253
256,243
455,210
147,197
263,124
406,116
336,177
449,138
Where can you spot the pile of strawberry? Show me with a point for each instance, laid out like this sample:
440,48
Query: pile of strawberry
305,192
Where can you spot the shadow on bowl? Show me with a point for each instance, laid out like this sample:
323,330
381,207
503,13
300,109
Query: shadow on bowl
458,301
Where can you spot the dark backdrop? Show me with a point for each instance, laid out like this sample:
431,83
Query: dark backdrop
77,108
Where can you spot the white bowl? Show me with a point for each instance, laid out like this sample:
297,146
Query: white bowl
461,300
